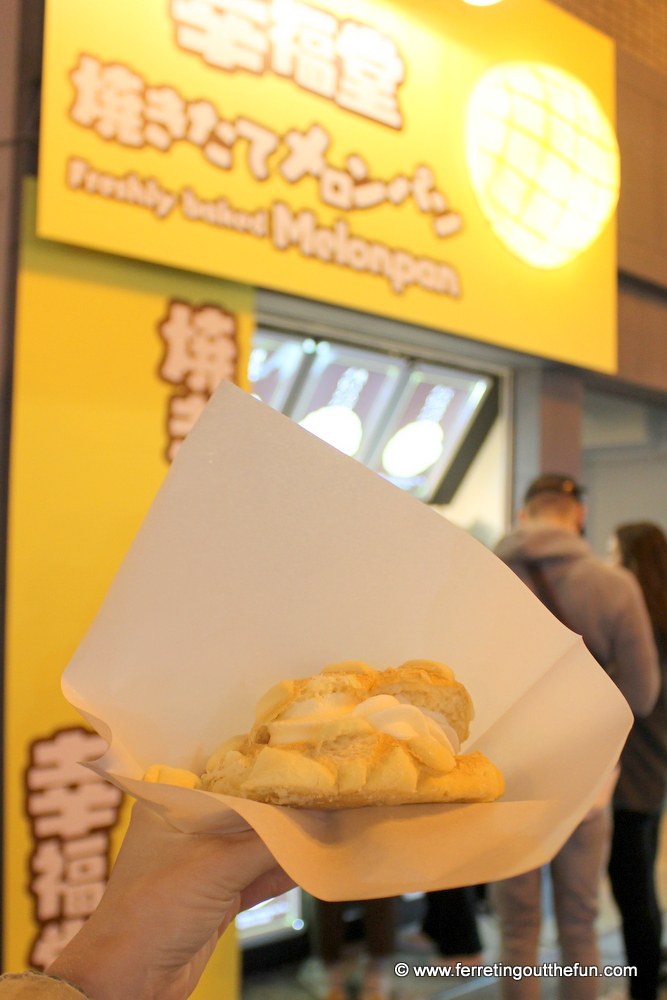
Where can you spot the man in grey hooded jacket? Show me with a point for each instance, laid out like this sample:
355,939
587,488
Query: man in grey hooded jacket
605,605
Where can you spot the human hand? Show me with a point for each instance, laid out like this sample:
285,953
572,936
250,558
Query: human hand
170,897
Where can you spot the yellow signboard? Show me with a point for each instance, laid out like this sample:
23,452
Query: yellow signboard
343,150
109,373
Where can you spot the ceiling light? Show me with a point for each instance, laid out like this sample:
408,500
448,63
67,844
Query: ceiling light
413,449
337,425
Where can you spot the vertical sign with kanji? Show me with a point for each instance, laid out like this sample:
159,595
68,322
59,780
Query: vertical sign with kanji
200,352
72,811
114,362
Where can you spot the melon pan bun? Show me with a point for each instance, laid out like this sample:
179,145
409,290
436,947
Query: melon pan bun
424,683
350,764
283,777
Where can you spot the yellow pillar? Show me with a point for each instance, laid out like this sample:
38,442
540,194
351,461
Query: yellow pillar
90,433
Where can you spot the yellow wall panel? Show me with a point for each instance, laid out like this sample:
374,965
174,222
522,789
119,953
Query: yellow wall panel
153,150
87,457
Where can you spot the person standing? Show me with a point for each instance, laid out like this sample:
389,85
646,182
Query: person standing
327,981
639,794
451,923
605,605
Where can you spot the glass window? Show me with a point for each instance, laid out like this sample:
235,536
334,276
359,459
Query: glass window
270,920
405,420
274,364
427,426
345,396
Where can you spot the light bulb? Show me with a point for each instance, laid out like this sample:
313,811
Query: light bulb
413,449
337,425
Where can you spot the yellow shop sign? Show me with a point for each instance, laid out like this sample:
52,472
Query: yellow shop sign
437,163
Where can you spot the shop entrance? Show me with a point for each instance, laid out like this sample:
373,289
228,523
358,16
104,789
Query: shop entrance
432,425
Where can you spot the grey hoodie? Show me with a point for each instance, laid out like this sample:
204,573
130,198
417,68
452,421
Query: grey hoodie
602,603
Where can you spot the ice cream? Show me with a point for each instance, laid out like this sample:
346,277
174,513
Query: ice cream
354,736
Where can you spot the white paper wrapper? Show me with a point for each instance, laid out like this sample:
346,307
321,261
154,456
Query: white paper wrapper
267,555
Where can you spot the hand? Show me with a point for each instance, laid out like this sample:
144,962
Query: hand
170,897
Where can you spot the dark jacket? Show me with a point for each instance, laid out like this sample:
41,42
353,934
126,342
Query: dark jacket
643,780
602,603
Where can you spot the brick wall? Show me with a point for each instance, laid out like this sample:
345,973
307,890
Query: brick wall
639,26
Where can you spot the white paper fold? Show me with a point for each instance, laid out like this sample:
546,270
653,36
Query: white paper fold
268,554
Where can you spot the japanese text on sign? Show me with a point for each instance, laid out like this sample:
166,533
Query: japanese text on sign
71,811
334,246
350,63
200,352
119,105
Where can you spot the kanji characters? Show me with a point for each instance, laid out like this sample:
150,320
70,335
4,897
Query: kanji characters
372,69
70,878
123,107
347,62
200,353
183,413
201,349
110,100
51,941
48,862
226,33
71,810
116,102
304,46
57,763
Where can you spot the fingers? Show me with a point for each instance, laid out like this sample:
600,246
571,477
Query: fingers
213,866
248,859
228,863
271,883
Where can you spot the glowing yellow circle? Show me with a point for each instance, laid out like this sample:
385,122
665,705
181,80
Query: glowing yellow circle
543,161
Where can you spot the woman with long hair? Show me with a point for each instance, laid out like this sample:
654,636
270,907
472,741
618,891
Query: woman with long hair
638,799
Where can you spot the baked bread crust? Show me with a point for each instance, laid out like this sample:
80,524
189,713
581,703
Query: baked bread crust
345,762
